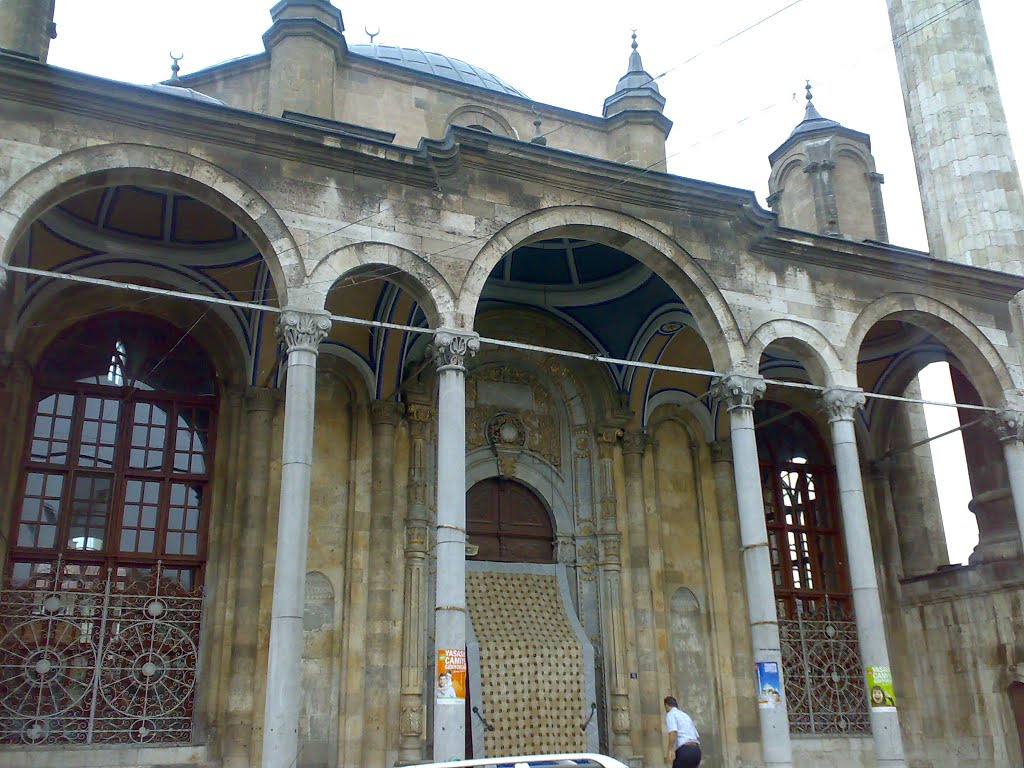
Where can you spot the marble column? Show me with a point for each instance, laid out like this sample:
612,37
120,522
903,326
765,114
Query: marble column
259,415
301,332
634,445
1010,428
738,393
419,417
840,405
613,623
451,346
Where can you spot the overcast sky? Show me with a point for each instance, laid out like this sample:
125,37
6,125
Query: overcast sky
734,71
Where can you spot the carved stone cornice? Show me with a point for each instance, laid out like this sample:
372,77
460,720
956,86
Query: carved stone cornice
302,330
386,412
736,390
841,403
451,347
1008,425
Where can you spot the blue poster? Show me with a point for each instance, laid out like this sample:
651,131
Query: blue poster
769,684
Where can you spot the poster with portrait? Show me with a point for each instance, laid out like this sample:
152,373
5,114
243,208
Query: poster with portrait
450,687
769,684
880,690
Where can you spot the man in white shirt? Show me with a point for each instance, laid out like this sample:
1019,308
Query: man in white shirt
683,739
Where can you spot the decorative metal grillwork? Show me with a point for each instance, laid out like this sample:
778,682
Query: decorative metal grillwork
825,689
87,660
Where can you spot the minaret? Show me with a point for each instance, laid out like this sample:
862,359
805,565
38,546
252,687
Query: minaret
638,128
26,27
970,186
823,180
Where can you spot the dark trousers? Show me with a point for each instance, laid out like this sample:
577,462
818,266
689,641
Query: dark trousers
687,756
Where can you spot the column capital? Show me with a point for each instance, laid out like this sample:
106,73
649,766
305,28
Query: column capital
385,412
452,346
737,390
635,442
261,398
420,416
608,434
1008,425
302,329
721,450
841,403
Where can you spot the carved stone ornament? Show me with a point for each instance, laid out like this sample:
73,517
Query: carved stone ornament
1008,425
412,716
300,330
451,347
506,429
734,390
386,412
840,404
721,450
620,713
565,550
635,442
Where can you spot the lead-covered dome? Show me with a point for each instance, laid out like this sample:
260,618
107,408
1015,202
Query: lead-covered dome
436,64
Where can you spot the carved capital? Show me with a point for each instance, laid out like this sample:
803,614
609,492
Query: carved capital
841,404
736,390
1008,425
635,442
565,550
610,545
620,713
721,450
417,534
411,714
385,412
420,418
608,434
260,398
451,347
302,330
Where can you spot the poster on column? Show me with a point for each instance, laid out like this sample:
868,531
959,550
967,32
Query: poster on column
769,684
451,676
880,691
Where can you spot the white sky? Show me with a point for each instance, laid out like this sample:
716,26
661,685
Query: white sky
732,103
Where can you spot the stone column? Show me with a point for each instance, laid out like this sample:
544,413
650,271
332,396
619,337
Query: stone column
451,347
1010,428
614,630
840,405
738,393
26,27
417,538
259,414
634,445
301,332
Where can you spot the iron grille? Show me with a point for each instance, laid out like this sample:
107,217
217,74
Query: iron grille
88,658
825,689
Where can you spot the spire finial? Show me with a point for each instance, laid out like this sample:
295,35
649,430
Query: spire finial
175,69
538,137
808,89
370,34
634,45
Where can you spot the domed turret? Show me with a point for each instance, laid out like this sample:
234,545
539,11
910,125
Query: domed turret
638,127
823,180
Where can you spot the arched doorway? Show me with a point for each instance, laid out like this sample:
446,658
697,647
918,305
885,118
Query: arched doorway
531,664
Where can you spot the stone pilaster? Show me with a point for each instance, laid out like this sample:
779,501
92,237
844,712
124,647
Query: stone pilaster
300,332
737,393
840,405
417,540
1009,426
451,347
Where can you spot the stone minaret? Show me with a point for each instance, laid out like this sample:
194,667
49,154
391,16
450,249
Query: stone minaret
26,27
970,187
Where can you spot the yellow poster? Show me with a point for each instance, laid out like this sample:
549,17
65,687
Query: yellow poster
451,676
880,691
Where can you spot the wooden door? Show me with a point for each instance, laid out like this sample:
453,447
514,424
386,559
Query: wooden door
509,523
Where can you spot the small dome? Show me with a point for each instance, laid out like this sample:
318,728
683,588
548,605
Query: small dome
184,93
436,64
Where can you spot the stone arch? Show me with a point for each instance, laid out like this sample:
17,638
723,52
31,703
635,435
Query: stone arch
985,366
402,267
715,320
109,164
814,350
475,114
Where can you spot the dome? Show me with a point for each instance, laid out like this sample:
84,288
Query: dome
436,64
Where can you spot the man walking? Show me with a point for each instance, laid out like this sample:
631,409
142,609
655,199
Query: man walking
683,739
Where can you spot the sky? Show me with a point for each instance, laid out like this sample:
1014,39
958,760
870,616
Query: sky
732,72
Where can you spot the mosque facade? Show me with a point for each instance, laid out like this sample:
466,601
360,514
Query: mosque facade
360,411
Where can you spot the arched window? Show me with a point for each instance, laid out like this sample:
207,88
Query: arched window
118,455
801,512
508,523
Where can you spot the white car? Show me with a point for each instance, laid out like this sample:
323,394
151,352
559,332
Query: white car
580,760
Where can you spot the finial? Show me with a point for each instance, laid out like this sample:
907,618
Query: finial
808,89
175,69
634,45
538,137
370,34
